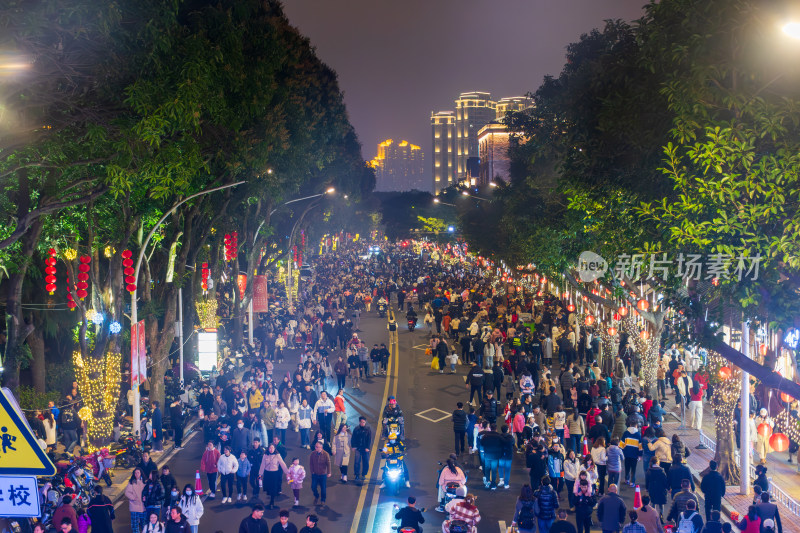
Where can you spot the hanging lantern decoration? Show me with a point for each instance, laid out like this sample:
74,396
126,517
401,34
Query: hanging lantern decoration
228,247
623,311
617,317
786,398
544,280
612,331
571,308
779,442
762,350
643,305
764,429
644,334
70,302
724,372
204,276
565,296
539,294
589,320
83,276
50,271
128,271
231,246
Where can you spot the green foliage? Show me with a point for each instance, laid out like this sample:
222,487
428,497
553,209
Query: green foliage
29,399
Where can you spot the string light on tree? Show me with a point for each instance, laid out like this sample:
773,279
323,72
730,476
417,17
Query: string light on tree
98,383
115,327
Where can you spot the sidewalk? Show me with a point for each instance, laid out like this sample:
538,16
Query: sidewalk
782,473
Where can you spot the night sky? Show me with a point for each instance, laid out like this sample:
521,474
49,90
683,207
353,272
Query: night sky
399,60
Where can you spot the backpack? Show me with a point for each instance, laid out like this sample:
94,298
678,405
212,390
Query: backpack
526,516
685,524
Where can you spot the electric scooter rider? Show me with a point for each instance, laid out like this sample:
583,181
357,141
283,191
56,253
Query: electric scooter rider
392,410
394,448
411,315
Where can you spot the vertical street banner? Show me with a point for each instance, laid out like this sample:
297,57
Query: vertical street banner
142,353
260,294
134,355
241,282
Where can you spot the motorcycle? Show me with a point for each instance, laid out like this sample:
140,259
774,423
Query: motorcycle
382,310
394,473
392,425
412,323
128,452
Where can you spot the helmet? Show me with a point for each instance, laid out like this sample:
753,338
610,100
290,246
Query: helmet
392,436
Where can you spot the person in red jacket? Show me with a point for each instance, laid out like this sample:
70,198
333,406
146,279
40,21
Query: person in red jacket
591,416
208,464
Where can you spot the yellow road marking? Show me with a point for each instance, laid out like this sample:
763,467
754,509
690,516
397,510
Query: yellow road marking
362,497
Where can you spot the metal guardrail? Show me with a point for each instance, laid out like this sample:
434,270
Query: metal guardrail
777,493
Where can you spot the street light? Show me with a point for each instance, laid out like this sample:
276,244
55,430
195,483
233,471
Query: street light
437,201
792,29
134,308
465,193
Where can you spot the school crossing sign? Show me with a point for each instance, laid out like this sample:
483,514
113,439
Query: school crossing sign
20,452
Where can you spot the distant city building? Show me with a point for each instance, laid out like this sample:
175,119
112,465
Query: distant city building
473,111
512,103
399,166
493,143
443,124
460,158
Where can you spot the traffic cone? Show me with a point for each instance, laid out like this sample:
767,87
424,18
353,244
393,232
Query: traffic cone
198,485
585,450
637,498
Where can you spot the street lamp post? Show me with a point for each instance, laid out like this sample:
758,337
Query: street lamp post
134,309
329,190
465,193
437,201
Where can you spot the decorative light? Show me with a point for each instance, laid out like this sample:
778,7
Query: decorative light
643,305
97,317
724,372
764,429
762,350
109,251
84,413
128,271
617,317
70,301
565,296
589,320
612,331
571,308
70,254
623,311
644,335
204,276
207,313
98,383
83,276
779,442
786,398
115,327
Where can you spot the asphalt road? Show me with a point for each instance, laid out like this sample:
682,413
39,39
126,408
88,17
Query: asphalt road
427,399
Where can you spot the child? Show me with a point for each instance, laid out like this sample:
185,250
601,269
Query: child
242,475
452,360
83,521
295,477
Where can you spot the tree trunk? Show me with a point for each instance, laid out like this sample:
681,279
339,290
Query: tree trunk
726,453
36,344
160,342
17,330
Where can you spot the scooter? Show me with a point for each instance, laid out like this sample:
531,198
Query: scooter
382,310
412,324
394,473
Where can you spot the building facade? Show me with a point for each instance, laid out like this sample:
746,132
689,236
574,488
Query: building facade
493,144
443,124
399,166
473,111
511,104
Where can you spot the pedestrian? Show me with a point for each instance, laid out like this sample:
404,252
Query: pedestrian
657,485
360,443
269,474
320,468
524,516
176,421
572,467
615,459
678,473
153,525
751,522
547,503
713,488
611,511
323,412
208,464
242,475
295,476
585,501
340,445
459,418
634,526
135,503
66,510
599,457
176,522
283,525
101,512
311,525
681,500
153,494
158,431
339,410
690,519
714,525
766,511
227,466
147,465
649,517
254,522
191,506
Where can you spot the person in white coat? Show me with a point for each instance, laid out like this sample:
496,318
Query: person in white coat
191,506
227,465
282,418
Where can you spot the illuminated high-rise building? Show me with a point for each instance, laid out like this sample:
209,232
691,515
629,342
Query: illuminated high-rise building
493,143
399,166
473,111
512,103
443,124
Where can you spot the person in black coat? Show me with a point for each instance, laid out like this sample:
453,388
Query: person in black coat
460,427
489,407
254,522
677,473
713,487
101,512
410,516
536,461
656,484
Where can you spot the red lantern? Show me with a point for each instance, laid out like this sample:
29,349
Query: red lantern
764,429
617,317
724,372
539,294
589,320
644,334
70,302
544,280
50,271
571,308
786,398
762,350
643,305
779,442
82,293
565,296
623,310
204,276
126,254
612,331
